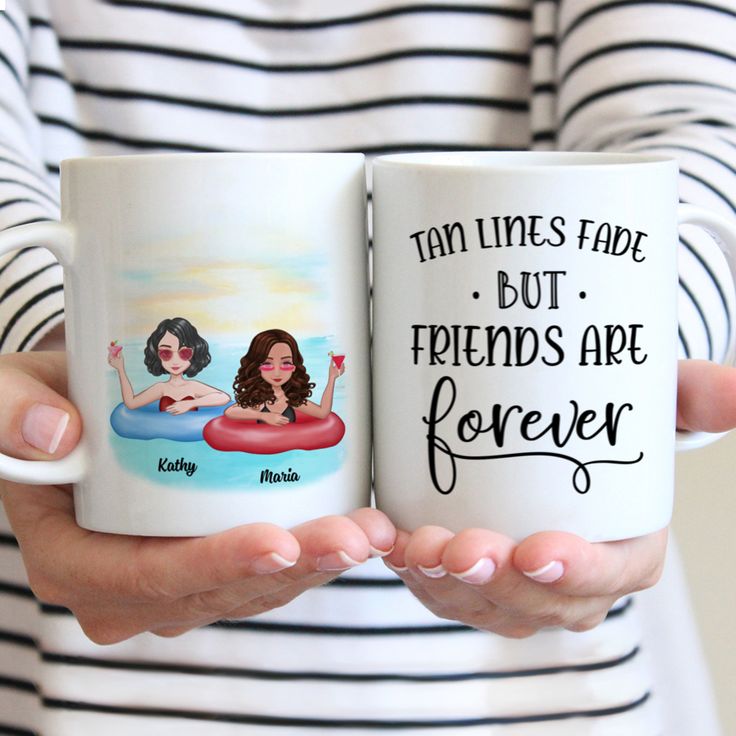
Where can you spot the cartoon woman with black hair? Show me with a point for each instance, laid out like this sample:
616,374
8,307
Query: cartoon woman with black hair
272,382
174,348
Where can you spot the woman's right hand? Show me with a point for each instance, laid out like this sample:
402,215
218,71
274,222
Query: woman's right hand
119,586
117,361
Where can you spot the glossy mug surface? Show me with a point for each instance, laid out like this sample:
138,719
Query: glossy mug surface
525,340
217,336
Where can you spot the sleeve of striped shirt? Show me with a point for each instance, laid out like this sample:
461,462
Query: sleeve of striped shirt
658,77
31,297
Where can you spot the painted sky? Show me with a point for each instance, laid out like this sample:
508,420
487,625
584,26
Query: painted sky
280,283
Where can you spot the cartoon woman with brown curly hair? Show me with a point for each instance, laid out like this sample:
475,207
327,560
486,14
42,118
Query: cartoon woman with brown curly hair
272,382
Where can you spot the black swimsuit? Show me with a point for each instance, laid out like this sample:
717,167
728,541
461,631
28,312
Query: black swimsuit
289,413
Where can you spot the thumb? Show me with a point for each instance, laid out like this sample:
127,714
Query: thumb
706,396
37,421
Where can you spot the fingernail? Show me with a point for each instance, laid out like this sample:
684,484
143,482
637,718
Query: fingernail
271,562
433,572
396,568
479,573
336,561
375,552
547,573
43,427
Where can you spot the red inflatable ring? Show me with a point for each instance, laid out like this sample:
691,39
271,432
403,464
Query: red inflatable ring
307,433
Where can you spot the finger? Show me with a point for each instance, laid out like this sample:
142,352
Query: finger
706,396
377,527
425,589
328,546
423,554
276,591
475,555
48,367
572,566
127,569
516,605
484,560
510,603
332,543
36,420
395,559
173,568
452,598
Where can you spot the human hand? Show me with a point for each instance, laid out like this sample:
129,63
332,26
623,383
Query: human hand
116,361
482,578
590,577
275,420
119,586
706,396
335,372
180,407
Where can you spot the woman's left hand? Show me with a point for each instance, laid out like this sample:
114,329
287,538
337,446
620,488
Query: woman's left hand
180,407
551,579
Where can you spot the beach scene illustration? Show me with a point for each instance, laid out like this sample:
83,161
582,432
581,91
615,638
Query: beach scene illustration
218,401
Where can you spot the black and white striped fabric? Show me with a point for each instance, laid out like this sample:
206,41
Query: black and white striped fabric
93,77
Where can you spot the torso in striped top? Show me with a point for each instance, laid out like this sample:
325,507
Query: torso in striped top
92,77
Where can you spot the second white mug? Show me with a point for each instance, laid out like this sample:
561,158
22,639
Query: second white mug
525,340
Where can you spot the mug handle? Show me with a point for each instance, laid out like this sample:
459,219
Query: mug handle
724,234
59,239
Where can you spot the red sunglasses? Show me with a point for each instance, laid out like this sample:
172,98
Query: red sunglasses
271,366
184,353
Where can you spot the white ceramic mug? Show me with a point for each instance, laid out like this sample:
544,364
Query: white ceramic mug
525,340
192,282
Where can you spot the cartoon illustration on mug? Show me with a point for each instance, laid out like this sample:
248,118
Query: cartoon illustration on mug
272,388
176,349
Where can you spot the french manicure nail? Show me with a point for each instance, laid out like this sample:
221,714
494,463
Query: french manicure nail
271,562
547,573
375,552
43,427
479,574
336,561
433,572
396,568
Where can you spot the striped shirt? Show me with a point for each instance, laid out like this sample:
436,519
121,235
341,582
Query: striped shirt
94,77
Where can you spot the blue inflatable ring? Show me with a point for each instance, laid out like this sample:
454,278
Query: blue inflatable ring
148,423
